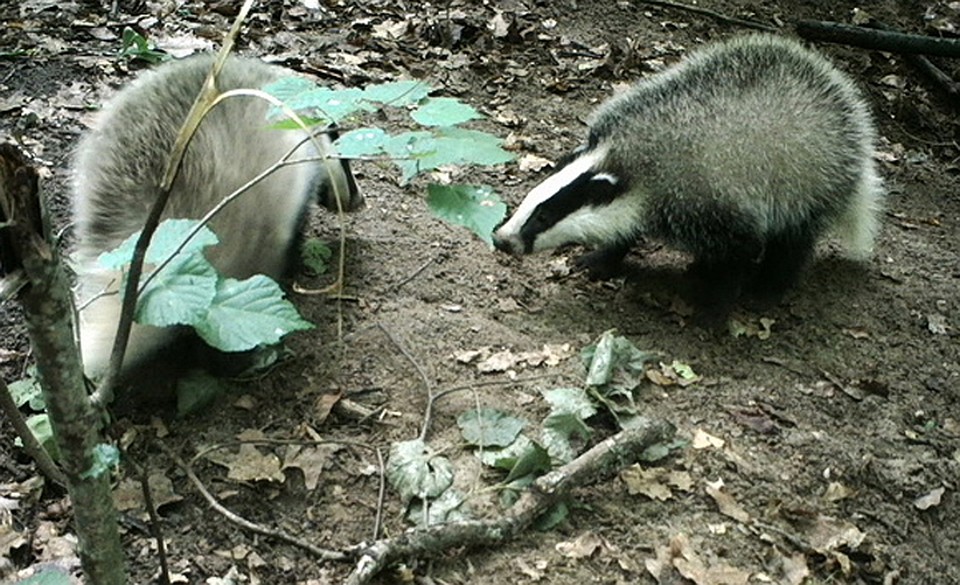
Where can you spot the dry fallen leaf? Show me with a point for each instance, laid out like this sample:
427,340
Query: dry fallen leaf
531,163
309,460
836,491
795,570
929,500
726,503
581,547
680,555
704,440
129,494
828,534
648,482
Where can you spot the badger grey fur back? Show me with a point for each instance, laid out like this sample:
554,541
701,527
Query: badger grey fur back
120,164
743,154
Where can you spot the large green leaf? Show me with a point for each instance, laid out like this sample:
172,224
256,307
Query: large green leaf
444,111
397,93
169,235
489,427
362,142
180,294
451,506
417,152
574,401
475,207
248,313
415,471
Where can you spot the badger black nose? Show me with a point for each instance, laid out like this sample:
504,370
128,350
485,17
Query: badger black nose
503,244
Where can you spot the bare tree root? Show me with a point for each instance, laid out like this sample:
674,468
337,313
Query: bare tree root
601,461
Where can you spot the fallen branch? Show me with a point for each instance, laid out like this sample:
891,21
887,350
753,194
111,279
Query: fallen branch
602,460
876,39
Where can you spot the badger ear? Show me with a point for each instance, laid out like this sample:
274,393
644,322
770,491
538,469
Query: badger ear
605,187
610,178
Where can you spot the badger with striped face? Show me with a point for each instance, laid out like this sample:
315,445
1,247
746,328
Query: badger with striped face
744,154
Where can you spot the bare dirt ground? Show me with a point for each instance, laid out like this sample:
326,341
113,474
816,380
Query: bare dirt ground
827,452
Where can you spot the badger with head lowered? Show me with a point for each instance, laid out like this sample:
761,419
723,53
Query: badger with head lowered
744,155
120,164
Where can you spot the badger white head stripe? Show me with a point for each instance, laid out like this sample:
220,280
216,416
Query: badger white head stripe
547,189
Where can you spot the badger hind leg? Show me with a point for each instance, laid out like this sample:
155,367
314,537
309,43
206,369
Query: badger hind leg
784,256
725,258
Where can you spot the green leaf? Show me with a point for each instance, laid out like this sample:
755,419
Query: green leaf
488,427
472,146
47,577
444,112
315,256
505,458
397,93
105,458
425,151
362,142
135,46
180,294
40,427
329,105
475,207
552,517
449,507
415,471
573,401
511,491
287,88
248,313
196,390
169,235
26,391
611,353
534,462
659,451
558,430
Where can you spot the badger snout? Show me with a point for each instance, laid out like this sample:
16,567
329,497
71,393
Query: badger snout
507,244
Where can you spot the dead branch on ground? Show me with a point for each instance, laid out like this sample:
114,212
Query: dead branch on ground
603,460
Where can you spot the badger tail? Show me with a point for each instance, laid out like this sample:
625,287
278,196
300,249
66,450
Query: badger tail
858,227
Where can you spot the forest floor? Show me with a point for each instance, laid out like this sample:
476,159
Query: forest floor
822,445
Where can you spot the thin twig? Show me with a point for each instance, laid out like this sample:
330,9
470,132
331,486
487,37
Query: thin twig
381,495
155,529
712,14
31,446
321,553
428,386
415,274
